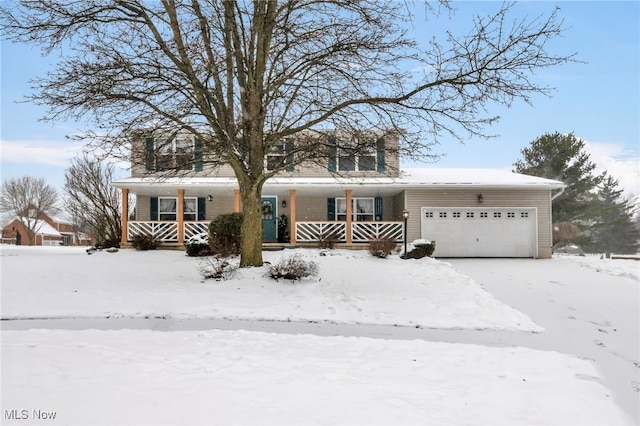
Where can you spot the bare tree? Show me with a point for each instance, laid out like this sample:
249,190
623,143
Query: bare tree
92,201
244,75
26,198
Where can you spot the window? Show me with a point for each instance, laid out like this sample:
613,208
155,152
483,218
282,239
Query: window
362,209
484,215
456,215
276,156
168,207
470,215
356,158
497,215
174,154
524,215
442,214
428,215
511,215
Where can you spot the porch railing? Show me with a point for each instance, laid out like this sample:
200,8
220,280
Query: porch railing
363,232
306,232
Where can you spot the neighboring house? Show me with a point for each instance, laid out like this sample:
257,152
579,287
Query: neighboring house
468,212
49,231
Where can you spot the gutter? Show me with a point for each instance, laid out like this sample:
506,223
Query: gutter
557,194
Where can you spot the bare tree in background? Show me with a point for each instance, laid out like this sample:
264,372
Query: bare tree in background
26,198
90,199
244,75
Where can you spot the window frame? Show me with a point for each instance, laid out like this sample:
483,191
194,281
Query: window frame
356,160
179,153
172,215
355,215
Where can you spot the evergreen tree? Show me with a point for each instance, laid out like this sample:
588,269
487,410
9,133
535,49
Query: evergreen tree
615,230
562,157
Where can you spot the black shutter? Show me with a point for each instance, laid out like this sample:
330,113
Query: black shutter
153,208
331,209
288,149
202,208
149,155
380,160
332,151
378,208
197,155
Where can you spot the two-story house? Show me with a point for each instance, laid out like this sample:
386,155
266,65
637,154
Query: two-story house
354,197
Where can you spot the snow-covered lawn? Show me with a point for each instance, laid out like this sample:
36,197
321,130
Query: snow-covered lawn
241,377
353,287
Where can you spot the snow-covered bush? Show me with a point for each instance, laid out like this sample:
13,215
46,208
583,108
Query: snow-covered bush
198,245
382,247
216,268
293,268
418,249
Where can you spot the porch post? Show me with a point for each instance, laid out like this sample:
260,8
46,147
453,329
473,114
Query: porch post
124,220
347,194
292,213
180,214
236,200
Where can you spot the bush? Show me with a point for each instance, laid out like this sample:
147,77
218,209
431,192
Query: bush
144,242
382,247
216,268
224,234
328,240
419,249
198,245
293,268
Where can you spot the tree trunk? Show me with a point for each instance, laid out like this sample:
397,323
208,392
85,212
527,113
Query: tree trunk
251,234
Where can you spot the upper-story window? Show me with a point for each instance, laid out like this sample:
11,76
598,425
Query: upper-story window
173,154
351,156
356,159
280,154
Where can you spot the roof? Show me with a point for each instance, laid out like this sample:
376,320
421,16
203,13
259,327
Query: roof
409,178
45,229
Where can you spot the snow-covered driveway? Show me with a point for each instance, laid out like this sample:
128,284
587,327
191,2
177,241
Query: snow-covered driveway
587,306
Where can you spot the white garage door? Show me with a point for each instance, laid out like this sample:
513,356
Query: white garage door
481,232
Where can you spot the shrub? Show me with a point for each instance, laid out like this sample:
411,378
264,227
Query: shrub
419,249
144,242
224,232
382,247
216,268
328,240
293,268
198,245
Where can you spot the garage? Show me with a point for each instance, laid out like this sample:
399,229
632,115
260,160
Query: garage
481,232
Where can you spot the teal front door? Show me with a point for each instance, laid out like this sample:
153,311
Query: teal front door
269,219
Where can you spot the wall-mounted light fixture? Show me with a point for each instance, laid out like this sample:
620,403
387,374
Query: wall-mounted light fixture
480,198
284,204
210,198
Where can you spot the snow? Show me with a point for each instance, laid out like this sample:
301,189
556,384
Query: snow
165,283
106,374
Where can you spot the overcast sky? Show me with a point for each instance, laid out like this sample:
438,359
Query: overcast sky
598,100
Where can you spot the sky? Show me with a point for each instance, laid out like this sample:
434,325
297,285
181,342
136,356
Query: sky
598,100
